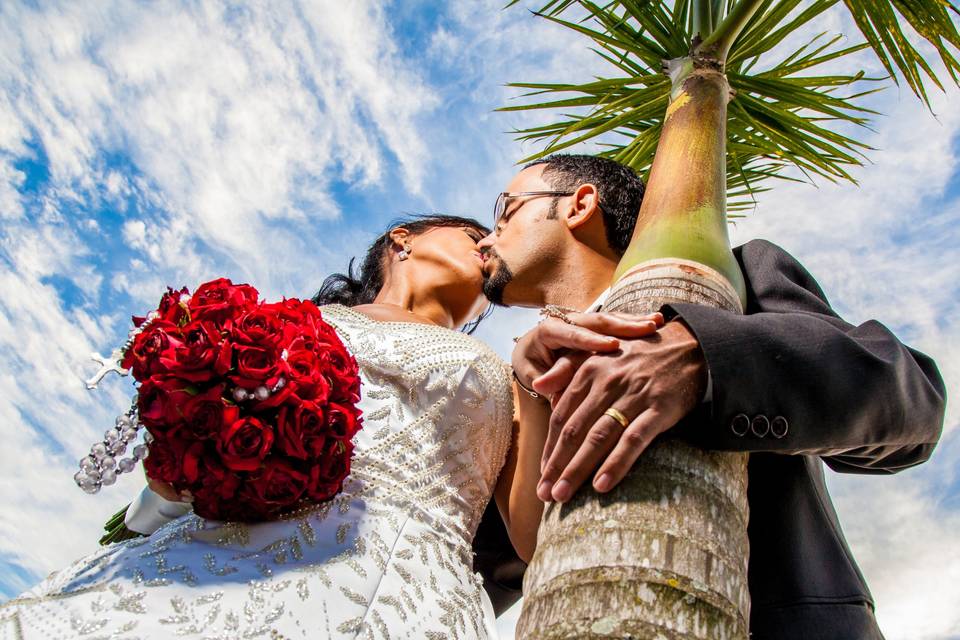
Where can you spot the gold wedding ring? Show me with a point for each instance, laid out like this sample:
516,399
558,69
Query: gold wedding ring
616,415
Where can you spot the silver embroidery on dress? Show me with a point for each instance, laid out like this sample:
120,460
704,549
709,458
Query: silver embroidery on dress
388,558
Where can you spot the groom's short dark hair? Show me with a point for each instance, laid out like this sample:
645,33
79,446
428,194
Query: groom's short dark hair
620,190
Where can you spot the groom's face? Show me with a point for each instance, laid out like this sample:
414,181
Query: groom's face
521,251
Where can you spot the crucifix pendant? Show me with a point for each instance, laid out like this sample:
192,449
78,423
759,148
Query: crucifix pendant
107,364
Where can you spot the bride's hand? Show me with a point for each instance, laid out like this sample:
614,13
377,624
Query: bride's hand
166,491
560,346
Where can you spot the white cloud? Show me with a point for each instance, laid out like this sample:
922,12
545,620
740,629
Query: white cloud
239,117
906,541
10,181
49,421
135,233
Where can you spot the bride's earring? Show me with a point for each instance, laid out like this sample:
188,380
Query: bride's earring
405,252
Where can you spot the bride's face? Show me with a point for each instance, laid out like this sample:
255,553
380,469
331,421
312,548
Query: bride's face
448,262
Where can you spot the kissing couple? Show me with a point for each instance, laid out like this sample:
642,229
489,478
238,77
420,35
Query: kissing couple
448,426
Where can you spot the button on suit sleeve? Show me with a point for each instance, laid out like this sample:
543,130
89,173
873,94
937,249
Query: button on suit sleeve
852,394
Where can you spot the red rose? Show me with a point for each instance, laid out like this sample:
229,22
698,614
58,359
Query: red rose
257,366
305,308
331,468
277,485
172,309
260,326
295,310
165,461
326,334
219,299
201,355
297,341
206,414
343,421
342,372
158,342
311,335
276,399
193,459
305,376
301,430
244,443
251,459
161,401
205,472
207,503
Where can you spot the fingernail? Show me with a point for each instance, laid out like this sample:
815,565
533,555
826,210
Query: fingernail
543,491
602,483
561,491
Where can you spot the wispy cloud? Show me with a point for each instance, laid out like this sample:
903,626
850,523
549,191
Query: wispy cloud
237,118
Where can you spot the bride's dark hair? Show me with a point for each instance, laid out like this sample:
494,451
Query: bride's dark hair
351,289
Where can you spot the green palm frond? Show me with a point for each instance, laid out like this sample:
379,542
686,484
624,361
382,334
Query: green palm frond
784,113
880,23
781,116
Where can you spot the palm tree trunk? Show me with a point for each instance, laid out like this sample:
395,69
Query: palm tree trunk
664,555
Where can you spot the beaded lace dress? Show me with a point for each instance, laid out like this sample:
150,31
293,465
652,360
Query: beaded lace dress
390,557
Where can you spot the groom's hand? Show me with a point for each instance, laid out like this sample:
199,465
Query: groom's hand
653,382
562,346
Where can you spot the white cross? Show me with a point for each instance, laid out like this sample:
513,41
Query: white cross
107,364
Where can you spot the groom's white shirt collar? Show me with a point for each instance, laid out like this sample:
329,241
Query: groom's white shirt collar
599,301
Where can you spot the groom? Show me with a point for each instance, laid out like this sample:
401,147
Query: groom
789,381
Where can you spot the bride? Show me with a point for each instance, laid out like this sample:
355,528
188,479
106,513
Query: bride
389,557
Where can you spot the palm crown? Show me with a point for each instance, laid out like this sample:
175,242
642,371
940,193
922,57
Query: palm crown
784,112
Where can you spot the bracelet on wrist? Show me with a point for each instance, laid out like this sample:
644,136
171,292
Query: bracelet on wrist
530,392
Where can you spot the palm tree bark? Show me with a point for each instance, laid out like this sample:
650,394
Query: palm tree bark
664,555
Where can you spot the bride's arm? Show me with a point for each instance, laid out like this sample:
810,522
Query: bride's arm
516,490
535,353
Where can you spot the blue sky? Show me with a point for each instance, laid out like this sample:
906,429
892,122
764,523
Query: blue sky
143,145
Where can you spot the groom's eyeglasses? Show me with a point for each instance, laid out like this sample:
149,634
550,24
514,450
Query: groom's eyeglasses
501,206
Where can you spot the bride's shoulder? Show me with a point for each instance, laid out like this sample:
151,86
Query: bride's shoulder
417,337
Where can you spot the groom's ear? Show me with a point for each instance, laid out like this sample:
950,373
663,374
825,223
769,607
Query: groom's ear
585,204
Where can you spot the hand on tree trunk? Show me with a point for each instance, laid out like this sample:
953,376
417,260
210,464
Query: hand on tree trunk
653,382
544,346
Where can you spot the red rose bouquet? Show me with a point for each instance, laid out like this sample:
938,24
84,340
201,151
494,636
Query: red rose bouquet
249,406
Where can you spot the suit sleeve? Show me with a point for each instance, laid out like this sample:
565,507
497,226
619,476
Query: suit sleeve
792,377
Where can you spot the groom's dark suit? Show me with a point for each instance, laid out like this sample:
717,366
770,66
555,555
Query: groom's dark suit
795,385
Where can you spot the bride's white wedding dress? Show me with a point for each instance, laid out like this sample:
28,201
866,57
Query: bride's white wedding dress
390,557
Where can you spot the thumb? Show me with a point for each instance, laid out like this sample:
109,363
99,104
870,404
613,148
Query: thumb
557,377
